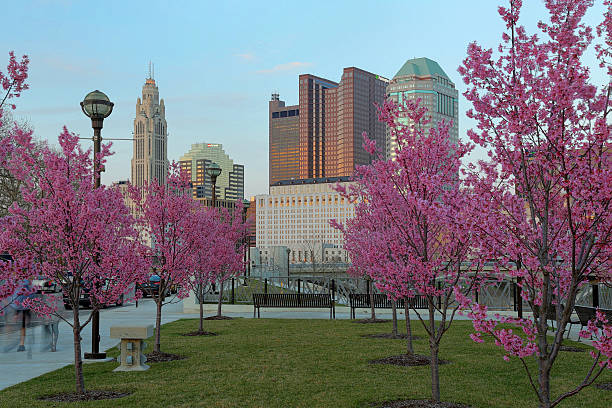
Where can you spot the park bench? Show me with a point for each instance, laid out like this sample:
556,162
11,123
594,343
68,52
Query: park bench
297,300
586,313
382,301
551,315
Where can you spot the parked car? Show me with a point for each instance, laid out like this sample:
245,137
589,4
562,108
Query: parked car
85,301
151,287
44,285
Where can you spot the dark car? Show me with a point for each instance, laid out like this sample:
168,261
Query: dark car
151,287
84,300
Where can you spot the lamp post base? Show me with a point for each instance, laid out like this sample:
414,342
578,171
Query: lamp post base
94,356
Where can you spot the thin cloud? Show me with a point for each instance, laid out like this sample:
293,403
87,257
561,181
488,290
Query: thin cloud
246,57
285,67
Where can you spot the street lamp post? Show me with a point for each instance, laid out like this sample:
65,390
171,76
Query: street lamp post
96,106
213,172
288,252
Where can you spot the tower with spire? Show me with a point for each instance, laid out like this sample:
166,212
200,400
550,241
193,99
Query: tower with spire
150,156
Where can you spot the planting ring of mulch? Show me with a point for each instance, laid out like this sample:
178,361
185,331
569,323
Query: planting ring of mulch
161,357
218,318
419,404
389,336
572,349
407,360
605,386
90,395
199,333
366,321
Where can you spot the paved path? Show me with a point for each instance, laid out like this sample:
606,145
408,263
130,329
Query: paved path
16,367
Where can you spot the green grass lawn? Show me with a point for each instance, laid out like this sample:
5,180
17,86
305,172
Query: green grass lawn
309,363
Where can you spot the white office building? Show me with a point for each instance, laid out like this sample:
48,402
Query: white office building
296,215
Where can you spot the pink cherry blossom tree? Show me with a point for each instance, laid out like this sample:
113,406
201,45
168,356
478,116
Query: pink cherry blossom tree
219,251
167,216
409,231
13,83
233,230
80,237
544,196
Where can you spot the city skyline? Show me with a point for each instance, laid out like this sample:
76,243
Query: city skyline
216,91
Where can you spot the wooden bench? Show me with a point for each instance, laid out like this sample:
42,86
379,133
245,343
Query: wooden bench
298,300
382,301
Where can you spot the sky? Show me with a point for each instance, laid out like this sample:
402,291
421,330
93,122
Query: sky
217,62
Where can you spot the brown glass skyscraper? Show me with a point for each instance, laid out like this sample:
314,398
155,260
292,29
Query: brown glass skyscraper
327,127
351,110
284,154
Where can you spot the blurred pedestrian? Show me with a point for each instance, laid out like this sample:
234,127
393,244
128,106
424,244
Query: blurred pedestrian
22,311
50,332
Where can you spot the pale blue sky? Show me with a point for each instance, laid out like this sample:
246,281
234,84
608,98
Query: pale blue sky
216,62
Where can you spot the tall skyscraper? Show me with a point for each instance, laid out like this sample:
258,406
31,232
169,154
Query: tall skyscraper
150,157
230,183
330,120
313,118
284,141
424,78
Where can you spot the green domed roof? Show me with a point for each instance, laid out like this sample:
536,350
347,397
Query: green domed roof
421,67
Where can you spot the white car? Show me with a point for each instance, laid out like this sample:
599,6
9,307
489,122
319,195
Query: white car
43,285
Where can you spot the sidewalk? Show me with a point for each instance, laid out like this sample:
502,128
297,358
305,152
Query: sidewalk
36,360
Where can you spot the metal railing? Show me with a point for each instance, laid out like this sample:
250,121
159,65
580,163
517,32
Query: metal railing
496,294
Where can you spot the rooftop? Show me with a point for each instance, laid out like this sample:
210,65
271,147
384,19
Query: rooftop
421,67
311,181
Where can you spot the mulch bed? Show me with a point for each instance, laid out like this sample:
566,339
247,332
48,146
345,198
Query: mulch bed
161,357
366,321
605,386
91,395
572,349
200,333
218,318
389,336
420,404
406,360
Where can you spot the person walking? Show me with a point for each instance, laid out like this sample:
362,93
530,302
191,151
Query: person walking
22,312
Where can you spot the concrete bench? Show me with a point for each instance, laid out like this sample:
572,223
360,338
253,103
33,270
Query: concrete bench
131,346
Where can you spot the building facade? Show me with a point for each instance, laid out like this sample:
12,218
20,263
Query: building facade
296,213
150,155
230,183
284,140
424,78
327,126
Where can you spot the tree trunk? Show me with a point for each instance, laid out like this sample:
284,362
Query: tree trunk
373,314
78,363
409,348
220,299
157,346
394,309
543,364
544,381
433,348
201,290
